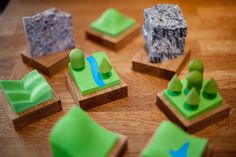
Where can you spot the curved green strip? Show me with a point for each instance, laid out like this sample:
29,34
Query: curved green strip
77,135
28,92
112,22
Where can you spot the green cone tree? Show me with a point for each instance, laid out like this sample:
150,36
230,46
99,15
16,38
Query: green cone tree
211,87
105,68
193,98
175,85
77,59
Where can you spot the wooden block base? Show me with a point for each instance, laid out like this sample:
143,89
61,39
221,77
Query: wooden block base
195,124
98,98
166,69
48,64
120,146
20,120
114,43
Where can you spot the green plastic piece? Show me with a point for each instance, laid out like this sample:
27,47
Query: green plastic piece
77,59
105,66
193,98
175,85
84,79
168,137
77,135
112,22
203,106
211,87
194,79
28,92
196,65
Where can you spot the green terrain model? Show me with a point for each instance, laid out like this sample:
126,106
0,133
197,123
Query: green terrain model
28,92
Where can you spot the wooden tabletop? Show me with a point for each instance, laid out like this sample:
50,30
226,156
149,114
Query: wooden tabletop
211,35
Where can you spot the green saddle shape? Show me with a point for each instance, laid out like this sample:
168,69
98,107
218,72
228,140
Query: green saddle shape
28,92
112,22
169,137
77,135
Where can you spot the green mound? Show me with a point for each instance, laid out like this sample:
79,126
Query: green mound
77,135
169,138
112,22
24,94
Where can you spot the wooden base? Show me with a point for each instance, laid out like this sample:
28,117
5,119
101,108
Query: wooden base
20,120
195,124
120,146
48,64
98,98
166,69
114,43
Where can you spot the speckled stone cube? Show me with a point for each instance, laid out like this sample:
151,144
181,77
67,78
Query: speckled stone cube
49,32
164,30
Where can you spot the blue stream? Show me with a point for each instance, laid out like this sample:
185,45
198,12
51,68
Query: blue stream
95,71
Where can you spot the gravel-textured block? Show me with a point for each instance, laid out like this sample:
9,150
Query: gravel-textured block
49,32
164,30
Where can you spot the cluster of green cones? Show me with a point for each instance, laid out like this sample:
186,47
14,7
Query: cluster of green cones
112,22
93,73
76,134
28,92
193,95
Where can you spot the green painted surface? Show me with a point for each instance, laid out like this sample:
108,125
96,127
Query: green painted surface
77,135
28,92
204,105
112,22
84,79
170,137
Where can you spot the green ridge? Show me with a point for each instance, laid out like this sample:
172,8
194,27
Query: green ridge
112,22
77,135
84,79
28,92
170,137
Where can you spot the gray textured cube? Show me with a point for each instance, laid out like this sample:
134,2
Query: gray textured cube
49,32
164,30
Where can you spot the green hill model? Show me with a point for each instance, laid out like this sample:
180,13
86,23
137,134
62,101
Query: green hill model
77,135
170,141
193,95
28,92
112,22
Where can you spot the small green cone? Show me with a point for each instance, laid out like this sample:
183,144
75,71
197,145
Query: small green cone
211,87
175,85
193,98
105,67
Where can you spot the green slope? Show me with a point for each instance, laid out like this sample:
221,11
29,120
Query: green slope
28,92
112,22
77,135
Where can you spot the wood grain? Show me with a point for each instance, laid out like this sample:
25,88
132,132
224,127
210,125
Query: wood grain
98,98
135,116
115,43
120,146
166,69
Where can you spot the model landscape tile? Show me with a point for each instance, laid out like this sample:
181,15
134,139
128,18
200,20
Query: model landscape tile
171,141
76,134
193,95
112,22
164,30
89,78
49,32
28,92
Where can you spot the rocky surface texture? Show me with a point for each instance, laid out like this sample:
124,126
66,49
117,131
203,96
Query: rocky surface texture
164,30
49,32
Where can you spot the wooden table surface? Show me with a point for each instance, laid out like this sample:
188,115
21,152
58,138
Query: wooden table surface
211,35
